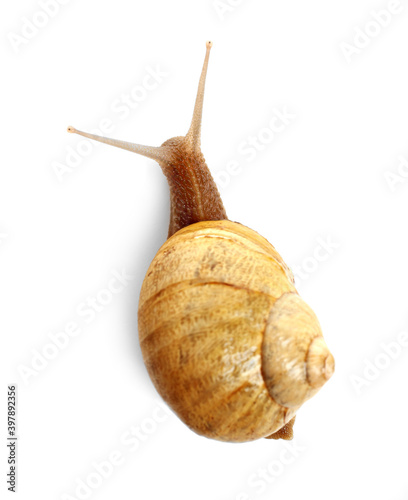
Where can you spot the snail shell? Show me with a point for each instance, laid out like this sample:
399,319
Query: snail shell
226,339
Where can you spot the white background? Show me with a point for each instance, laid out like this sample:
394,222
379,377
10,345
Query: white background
330,175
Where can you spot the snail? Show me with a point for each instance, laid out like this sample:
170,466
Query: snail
225,337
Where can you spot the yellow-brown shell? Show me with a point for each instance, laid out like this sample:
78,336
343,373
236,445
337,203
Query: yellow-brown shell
225,337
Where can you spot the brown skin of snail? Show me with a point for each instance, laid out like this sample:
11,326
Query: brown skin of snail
225,337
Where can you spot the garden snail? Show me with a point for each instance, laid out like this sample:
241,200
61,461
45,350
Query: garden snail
226,339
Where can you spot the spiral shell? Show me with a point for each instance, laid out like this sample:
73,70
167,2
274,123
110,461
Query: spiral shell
226,339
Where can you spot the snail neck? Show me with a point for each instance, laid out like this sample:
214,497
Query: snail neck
194,196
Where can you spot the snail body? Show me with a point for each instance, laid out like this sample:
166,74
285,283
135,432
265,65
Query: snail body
225,337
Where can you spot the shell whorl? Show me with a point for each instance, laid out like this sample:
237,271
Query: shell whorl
295,359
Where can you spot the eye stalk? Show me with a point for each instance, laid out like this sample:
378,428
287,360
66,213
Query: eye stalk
193,137
192,140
